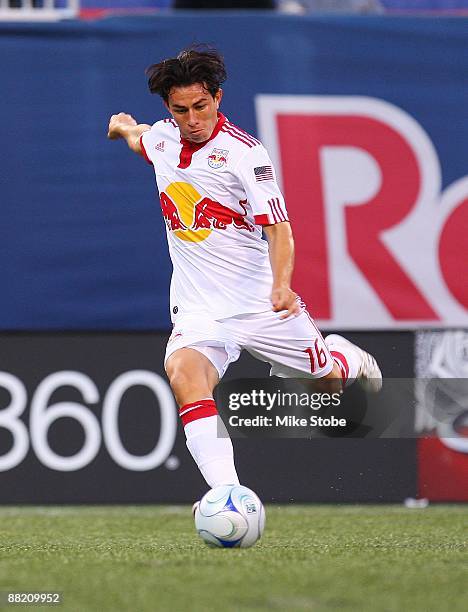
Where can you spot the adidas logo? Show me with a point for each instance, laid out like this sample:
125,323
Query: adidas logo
160,146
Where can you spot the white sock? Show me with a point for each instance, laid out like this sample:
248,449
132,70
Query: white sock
209,444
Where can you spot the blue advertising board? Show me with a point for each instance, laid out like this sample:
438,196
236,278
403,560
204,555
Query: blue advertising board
83,244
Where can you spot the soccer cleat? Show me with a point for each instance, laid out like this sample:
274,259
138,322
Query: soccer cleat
194,507
369,374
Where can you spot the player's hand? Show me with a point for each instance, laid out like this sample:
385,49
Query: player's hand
118,123
284,298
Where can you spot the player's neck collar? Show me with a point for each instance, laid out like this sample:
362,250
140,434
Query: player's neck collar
189,147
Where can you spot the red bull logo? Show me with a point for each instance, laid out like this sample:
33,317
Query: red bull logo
192,218
209,213
217,158
171,214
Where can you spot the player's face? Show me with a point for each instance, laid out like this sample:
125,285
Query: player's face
195,111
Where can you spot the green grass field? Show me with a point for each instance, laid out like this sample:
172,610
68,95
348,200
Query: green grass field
149,558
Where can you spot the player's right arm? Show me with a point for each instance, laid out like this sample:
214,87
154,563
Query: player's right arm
124,126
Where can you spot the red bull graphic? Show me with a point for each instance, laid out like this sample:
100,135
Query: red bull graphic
209,213
171,214
217,158
192,218
380,241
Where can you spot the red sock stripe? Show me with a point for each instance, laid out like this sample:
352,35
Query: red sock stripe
340,359
197,410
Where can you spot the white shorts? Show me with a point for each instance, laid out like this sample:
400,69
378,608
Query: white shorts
294,346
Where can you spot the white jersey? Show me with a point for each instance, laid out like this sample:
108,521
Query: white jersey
215,196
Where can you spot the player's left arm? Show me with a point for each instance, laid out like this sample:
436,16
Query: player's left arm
258,177
281,251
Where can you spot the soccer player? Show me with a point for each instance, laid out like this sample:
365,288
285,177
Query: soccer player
230,289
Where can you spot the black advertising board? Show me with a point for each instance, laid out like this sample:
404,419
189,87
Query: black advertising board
89,418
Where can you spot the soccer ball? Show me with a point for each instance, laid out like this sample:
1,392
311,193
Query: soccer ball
230,516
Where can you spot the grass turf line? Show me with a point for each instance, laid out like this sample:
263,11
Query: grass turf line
149,558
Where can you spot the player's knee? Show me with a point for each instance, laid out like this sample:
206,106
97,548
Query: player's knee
191,375
188,384
179,378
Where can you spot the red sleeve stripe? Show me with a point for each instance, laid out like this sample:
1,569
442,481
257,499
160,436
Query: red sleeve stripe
171,121
226,130
276,210
143,150
281,212
262,220
251,139
273,211
236,128
242,132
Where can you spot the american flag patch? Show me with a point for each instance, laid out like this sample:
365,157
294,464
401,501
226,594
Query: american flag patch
263,173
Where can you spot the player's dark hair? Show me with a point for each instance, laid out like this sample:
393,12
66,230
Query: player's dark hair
198,64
